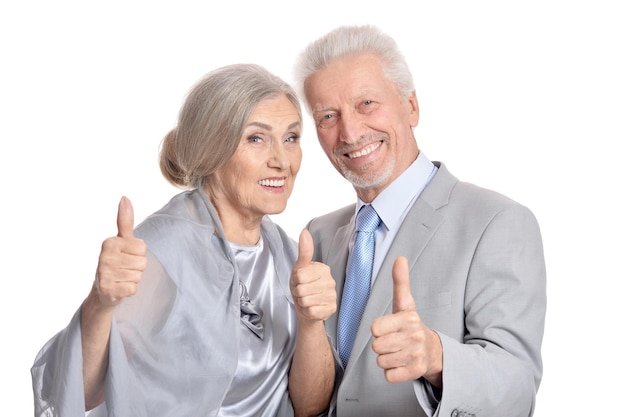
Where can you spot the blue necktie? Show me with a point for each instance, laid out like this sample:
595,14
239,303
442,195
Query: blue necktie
356,288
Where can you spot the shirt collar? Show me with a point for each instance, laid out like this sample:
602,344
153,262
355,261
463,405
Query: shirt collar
394,200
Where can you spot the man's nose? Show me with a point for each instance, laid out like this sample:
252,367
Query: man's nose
350,127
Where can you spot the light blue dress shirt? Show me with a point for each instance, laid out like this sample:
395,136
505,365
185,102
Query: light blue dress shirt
393,203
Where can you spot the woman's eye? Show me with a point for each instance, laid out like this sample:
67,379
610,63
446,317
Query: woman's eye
292,139
254,139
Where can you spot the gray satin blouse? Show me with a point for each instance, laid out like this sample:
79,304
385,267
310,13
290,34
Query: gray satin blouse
261,371
180,347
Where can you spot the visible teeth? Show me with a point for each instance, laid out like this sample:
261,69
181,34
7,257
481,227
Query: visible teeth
365,151
272,183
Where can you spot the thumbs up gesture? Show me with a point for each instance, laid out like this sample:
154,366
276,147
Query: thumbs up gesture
122,260
312,286
406,348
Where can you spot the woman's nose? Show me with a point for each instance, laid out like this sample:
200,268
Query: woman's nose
278,158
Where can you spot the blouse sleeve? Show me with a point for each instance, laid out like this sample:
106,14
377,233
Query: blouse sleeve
57,373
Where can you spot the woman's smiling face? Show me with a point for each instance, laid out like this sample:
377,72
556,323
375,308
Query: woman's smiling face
259,177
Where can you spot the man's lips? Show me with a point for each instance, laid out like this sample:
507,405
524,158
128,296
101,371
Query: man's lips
363,151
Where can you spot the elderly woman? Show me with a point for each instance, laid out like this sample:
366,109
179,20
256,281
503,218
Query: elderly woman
192,313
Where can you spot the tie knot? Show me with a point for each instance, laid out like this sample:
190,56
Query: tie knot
367,219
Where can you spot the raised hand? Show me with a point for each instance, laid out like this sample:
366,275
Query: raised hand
122,260
312,286
406,348
312,372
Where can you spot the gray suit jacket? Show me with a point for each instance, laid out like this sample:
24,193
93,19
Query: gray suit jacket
478,279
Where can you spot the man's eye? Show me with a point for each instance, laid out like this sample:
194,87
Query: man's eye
368,106
328,120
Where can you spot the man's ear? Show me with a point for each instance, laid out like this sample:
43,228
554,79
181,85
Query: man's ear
414,110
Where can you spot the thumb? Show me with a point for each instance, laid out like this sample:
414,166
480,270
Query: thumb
305,249
402,298
125,218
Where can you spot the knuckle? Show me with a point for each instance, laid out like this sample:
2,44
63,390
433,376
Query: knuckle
143,263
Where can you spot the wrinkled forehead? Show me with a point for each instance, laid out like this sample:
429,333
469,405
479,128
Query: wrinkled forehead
349,79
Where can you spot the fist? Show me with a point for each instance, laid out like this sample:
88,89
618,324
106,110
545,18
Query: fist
312,285
122,260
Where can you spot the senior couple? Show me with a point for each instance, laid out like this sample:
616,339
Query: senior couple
208,308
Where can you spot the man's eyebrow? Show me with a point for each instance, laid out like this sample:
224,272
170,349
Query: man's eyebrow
357,98
322,109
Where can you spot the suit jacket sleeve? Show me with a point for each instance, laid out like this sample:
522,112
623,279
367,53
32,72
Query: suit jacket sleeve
496,368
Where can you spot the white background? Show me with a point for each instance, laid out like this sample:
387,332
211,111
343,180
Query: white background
527,98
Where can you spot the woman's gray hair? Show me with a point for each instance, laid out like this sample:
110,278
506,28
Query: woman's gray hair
353,40
212,120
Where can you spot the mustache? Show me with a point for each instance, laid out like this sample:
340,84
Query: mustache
363,141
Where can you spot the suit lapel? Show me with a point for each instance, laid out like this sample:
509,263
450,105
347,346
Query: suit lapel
337,260
418,227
